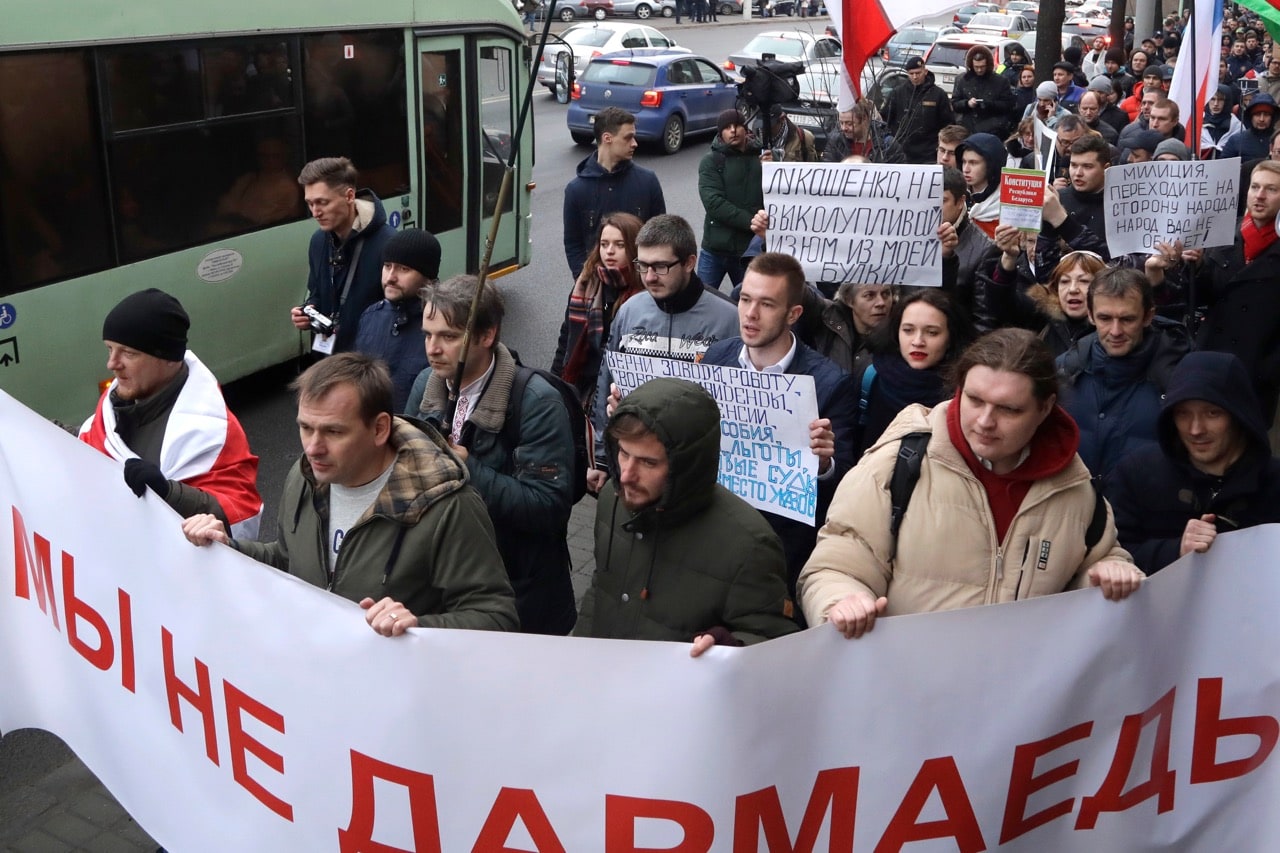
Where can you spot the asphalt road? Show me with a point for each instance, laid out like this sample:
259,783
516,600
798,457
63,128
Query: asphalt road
535,299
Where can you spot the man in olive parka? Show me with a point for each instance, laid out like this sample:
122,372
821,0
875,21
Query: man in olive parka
678,556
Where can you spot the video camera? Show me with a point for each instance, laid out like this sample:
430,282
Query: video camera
770,82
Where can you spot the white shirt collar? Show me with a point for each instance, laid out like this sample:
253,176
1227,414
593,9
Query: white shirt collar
744,360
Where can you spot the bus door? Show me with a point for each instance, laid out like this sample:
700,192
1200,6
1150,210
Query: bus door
466,118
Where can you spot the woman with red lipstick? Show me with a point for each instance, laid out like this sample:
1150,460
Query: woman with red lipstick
1057,310
608,280
926,331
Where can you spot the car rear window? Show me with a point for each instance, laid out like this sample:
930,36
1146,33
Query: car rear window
913,36
620,74
592,37
947,54
775,45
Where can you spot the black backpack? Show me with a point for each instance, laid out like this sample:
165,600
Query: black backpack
906,473
578,423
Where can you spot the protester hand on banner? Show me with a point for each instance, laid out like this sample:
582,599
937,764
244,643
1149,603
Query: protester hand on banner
1192,256
1117,578
596,478
140,475
949,239
856,613
205,529
388,617
760,224
612,402
822,441
717,636
1199,535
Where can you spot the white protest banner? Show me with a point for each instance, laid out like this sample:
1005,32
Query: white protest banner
1163,201
764,428
860,222
1022,199
231,707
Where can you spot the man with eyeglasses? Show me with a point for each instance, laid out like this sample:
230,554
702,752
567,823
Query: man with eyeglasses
391,328
949,139
345,255
676,317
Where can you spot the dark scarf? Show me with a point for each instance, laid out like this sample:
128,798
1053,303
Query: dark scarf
898,385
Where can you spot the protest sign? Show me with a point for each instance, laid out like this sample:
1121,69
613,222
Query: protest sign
229,706
1162,201
764,428
1022,199
861,222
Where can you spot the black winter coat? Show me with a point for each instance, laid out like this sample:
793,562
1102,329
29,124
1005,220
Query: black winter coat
993,113
915,115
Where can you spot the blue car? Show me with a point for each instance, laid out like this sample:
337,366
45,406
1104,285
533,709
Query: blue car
672,95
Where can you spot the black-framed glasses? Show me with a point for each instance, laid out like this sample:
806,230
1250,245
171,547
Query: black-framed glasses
659,267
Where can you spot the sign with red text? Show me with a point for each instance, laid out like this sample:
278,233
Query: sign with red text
867,223
231,707
1022,199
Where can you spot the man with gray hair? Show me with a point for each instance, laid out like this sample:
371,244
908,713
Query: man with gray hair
676,317
511,429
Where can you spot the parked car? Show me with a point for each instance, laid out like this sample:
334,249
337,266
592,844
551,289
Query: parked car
772,8
1026,8
962,15
644,9
786,46
672,95
569,10
999,24
730,7
596,39
946,58
908,42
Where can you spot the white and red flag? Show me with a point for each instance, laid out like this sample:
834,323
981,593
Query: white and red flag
865,25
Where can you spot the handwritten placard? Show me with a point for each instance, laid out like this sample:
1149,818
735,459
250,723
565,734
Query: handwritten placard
764,428
1163,201
865,223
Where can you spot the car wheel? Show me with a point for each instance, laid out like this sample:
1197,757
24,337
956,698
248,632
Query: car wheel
582,138
601,14
566,14
672,135
667,11
726,9
643,12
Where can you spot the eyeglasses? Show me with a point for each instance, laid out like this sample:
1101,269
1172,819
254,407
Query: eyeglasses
659,268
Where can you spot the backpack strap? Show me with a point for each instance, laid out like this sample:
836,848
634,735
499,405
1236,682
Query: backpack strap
510,434
1098,523
906,473
864,396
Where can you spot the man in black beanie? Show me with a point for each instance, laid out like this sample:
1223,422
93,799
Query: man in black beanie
730,188
164,417
391,329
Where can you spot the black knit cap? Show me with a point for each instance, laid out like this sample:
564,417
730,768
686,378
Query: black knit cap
727,118
150,321
416,249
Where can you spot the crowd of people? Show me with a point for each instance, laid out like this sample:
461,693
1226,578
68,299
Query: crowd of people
1049,417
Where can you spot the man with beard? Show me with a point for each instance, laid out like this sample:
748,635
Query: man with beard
983,99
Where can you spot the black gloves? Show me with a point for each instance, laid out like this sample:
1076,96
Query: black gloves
139,475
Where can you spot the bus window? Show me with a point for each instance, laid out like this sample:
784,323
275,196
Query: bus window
354,86
247,77
495,122
443,169
53,221
153,86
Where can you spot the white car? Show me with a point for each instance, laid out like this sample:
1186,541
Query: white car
998,23
786,46
588,40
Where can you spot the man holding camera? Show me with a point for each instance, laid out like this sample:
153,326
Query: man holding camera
982,99
345,255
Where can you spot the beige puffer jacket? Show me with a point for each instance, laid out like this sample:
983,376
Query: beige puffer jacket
947,553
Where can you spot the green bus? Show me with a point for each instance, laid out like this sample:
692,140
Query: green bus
155,143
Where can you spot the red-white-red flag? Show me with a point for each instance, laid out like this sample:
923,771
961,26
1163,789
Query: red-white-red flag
865,25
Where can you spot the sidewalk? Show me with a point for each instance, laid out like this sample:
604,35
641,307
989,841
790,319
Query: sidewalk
51,803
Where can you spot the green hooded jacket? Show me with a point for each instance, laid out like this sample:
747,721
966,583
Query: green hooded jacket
699,558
